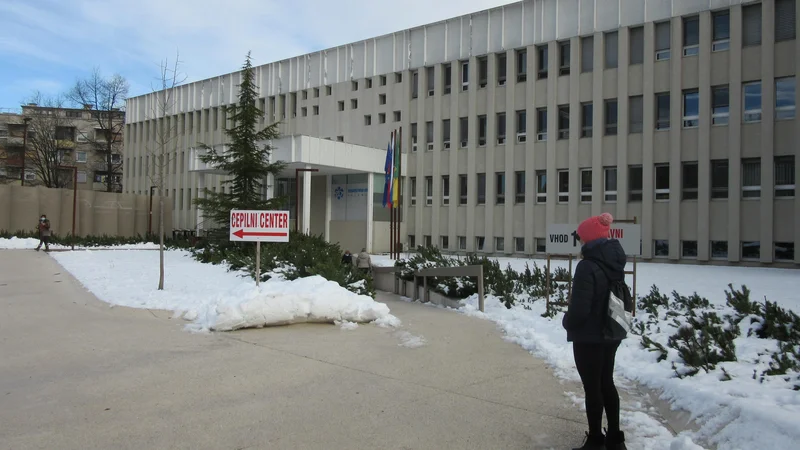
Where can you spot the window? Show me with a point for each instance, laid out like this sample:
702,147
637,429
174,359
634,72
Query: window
354,103
689,181
315,110
316,92
751,25
662,181
751,178
499,244
784,98
80,157
636,45
563,186
541,186
429,134
522,66
341,106
541,52
412,241
662,111
719,179
481,188
448,78
751,250
635,183
689,249
587,54
483,71
519,187
752,102
563,58
661,247
445,189
541,124
719,249
462,189
382,118
367,120
464,75
522,126
691,108
328,90
415,84
430,78
519,245
563,122
500,188
612,47
427,241
663,35
481,131
611,117
610,184
340,138
785,25
720,105
501,128
635,114
586,185
355,85
587,117
446,134
428,191
501,69
381,99
479,240
784,176
413,191
397,116
691,36
721,32
784,251
81,176
444,242
382,80
304,111
541,245
462,242
398,77
463,130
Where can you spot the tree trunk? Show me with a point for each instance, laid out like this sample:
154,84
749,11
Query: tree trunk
109,175
161,179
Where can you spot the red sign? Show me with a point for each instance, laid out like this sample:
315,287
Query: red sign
263,226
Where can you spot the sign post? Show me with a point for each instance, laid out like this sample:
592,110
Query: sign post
258,227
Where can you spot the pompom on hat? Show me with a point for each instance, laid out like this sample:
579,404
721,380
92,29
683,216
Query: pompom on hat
595,227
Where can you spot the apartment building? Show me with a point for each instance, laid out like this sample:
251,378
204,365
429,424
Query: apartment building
68,137
681,114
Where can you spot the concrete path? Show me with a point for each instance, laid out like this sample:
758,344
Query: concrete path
77,374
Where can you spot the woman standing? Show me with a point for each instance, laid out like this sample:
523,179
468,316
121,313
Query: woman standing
603,260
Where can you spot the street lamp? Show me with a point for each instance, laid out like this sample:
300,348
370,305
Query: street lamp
74,197
297,196
24,149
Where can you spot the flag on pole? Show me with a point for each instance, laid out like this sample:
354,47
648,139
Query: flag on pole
389,171
397,153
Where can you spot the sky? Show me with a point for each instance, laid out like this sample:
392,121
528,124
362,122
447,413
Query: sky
46,45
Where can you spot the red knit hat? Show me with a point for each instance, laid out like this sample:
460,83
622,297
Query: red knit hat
595,227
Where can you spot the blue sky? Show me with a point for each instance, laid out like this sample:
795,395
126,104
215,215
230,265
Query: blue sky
46,45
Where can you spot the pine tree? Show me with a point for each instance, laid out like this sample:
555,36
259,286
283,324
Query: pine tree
244,159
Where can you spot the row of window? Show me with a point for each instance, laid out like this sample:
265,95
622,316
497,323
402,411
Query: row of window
785,29
785,107
750,250
784,183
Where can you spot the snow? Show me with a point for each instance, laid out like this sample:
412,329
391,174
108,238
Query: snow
739,413
15,243
213,298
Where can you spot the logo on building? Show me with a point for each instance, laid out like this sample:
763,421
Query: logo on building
339,192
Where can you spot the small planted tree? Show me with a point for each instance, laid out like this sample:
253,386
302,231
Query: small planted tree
246,158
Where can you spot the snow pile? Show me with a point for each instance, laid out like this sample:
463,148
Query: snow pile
16,243
213,298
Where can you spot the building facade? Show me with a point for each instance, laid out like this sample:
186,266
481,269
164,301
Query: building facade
680,114
61,136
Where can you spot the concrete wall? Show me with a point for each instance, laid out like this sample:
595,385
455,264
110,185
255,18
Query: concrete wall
98,213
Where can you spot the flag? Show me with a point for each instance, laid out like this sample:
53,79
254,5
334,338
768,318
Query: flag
389,171
398,153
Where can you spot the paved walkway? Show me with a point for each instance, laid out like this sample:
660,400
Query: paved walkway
77,374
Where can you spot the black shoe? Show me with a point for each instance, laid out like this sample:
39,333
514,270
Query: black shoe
593,443
616,441
37,249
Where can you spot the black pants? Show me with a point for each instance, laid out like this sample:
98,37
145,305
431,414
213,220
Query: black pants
44,240
595,363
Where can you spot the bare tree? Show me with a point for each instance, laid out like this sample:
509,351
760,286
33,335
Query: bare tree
106,98
164,112
51,133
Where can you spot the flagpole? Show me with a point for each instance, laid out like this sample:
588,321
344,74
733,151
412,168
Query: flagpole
389,195
399,188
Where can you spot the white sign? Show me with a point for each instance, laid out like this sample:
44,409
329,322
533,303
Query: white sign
259,226
562,239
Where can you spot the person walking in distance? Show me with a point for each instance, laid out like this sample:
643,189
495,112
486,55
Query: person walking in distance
363,261
603,262
347,258
44,233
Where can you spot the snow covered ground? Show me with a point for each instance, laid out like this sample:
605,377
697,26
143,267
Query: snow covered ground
214,299
739,413
30,244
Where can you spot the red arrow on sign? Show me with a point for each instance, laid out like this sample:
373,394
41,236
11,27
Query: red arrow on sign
241,233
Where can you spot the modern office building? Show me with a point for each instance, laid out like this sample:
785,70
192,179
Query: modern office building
681,114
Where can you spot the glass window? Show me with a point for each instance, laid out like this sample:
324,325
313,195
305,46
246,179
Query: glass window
413,191
501,128
519,187
719,179
541,186
635,183
430,77
522,123
519,245
483,71
689,249
563,186
541,124
784,176
444,242
751,25
522,66
751,250
611,117
481,131
721,33
689,181
542,60
612,48
414,84
463,130
587,117
448,77
445,189
663,41
464,75
752,102
481,188
784,251
662,111
563,122
636,45
719,249
499,244
462,242
610,184
691,36
586,185
446,133
635,114
662,181
563,58
500,188
479,240
751,178
462,189
785,20
587,54
720,105
785,89
691,108
661,247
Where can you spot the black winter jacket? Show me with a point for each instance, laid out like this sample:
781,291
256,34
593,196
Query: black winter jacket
586,313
